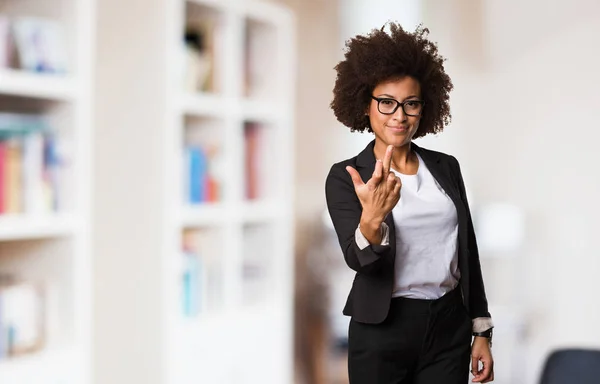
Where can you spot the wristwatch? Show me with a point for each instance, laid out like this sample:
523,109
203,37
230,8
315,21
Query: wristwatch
487,334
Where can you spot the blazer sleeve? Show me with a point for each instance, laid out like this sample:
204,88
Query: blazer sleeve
345,210
478,301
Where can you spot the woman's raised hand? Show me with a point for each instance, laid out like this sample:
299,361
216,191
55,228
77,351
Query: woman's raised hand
380,194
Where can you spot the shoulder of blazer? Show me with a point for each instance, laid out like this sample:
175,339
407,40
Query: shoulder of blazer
444,163
434,155
338,176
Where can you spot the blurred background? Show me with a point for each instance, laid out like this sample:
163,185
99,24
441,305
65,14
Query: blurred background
162,169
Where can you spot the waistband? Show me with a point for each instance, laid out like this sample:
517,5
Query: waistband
450,299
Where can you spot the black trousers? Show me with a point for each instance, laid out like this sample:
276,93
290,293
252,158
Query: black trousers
420,342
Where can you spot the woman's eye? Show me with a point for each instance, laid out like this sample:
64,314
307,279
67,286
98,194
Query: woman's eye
387,102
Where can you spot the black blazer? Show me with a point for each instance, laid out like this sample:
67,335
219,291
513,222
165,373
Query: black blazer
371,293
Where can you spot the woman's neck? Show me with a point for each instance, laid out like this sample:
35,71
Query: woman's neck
403,160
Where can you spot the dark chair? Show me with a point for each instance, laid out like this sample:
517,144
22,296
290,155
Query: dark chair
572,366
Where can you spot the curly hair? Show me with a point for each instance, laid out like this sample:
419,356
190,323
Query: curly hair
378,57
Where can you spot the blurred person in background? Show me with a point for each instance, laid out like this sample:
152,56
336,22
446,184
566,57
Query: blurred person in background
403,222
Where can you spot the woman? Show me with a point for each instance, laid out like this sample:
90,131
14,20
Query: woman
403,221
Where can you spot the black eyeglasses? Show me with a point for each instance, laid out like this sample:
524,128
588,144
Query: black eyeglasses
389,106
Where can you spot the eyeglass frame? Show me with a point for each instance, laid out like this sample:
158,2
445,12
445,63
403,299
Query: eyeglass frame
398,105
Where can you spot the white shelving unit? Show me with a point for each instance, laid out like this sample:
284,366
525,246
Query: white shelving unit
248,325
54,248
146,120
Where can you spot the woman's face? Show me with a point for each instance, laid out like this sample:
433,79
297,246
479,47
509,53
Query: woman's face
395,129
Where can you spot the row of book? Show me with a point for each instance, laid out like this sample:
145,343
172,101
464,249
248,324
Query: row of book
201,263
259,160
33,44
22,317
200,178
201,280
30,165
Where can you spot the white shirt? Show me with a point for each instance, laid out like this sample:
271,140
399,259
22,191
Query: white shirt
426,228
426,224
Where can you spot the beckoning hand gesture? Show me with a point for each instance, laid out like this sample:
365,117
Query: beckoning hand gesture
380,194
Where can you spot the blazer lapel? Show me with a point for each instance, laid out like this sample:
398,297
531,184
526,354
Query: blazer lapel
439,171
443,175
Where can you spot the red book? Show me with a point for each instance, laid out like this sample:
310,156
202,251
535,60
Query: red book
252,147
3,182
212,189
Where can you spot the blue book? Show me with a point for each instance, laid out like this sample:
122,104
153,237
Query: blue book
2,332
198,168
191,284
52,167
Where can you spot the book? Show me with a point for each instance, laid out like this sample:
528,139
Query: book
22,319
3,187
260,160
251,146
200,165
32,165
12,176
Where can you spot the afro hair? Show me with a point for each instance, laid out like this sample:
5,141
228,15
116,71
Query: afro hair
380,56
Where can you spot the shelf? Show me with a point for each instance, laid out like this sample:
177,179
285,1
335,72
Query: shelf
262,110
261,211
202,104
214,106
39,86
203,215
202,324
46,367
216,214
266,12
191,326
220,5
23,227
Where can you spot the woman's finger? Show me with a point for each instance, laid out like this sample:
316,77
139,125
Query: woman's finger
474,366
377,173
391,180
387,160
397,187
356,180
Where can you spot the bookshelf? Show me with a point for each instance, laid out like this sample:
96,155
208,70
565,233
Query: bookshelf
45,253
243,237
193,269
